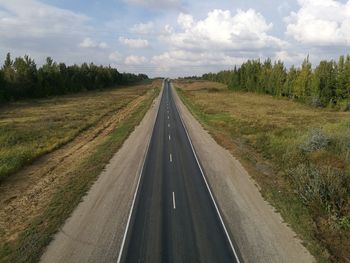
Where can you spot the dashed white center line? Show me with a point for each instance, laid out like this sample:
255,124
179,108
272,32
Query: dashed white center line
168,117
171,158
174,203
169,137
168,125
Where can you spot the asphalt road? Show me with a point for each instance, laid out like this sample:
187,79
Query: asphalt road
174,218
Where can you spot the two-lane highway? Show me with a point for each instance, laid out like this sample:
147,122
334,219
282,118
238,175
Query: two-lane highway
175,218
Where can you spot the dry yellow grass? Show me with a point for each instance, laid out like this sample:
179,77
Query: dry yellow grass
32,128
303,146
260,110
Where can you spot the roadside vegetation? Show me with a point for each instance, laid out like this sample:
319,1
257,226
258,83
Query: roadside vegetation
88,128
328,85
299,155
21,78
29,129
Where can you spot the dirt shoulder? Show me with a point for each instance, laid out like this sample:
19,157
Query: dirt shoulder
258,231
94,231
37,200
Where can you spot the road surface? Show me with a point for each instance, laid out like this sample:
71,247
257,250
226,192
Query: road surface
174,218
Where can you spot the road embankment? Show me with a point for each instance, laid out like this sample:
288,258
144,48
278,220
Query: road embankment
259,232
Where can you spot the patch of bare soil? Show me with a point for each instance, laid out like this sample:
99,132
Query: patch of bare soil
25,194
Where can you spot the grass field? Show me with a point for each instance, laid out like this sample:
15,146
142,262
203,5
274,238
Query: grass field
93,128
300,157
32,128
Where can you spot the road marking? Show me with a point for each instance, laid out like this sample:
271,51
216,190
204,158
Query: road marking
171,158
168,125
211,195
136,190
174,203
169,137
168,117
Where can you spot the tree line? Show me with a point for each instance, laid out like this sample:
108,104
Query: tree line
21,78
326,85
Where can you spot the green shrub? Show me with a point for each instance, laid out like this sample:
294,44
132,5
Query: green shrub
326,187
315,140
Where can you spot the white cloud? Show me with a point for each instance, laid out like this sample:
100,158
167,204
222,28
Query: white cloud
185,63
134,60
89,43
220,30
176,58
185,21
221,40
142,28
134,43
34,19
156,4
115,56
168,29
40,30
283,7
321,22
289,57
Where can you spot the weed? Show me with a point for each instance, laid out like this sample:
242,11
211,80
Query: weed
315,140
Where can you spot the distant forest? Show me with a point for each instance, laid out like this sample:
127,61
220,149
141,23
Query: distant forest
21,78
328,84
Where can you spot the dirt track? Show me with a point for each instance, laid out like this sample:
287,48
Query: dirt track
95,230
26,193
259,232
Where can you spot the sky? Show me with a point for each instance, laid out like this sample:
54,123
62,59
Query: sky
171,38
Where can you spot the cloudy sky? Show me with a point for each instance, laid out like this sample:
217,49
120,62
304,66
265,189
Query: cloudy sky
174,37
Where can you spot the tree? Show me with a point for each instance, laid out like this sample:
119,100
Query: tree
288,89
324,82
347,76
8,70
2,87
25,79
264,77
341,79
277,78
303,81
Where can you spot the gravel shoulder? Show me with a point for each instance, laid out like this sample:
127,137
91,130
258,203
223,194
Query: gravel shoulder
258,231
95,230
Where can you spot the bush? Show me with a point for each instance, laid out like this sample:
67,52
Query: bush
347,107
316,102
344,223
325,187
315,140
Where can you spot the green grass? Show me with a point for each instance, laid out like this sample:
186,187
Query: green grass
307,150
30,244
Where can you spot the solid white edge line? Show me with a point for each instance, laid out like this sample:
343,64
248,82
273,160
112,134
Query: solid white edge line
138,184
206,183
174,203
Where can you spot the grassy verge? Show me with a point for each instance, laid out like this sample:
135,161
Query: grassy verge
32,128
298,155
30,244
